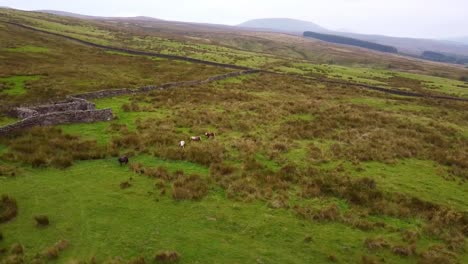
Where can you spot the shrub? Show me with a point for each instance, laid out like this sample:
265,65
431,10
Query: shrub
42,220
167,257
332,258
330,213
404,250
138,260
8,171
53,252
410,236
369,260
436,254
13,259
62,245
8,208
125,185
376,243
17,249
191,187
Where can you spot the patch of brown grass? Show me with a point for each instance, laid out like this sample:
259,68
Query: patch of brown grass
8,208
192,187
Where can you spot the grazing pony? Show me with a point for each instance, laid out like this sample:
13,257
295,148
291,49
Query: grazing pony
182,144
195,138
123,160
210,135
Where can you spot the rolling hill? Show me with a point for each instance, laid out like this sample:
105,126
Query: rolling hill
74,15
463,40
410,46
283,25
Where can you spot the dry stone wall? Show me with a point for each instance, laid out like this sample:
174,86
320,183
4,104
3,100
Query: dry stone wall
78,109
118,92
56,118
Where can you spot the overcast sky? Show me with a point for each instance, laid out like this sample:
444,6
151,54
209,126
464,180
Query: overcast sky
407,18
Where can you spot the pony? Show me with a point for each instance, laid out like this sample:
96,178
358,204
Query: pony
123,160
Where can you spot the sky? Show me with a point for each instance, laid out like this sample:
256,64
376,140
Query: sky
403,18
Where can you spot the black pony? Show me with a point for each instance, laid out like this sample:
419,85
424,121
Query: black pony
123,160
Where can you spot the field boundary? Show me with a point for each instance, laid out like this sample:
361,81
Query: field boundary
144,89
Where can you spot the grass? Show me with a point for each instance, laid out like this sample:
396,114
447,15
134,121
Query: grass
29,48
389,104
90,200
424,179
172,166
4,120
16,85
444,85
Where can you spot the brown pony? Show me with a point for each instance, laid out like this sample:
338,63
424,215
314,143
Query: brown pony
210,135
195,138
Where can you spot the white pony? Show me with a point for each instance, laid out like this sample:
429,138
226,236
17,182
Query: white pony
182,144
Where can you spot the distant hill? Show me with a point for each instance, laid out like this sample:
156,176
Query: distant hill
66,14
350,41
69,14
410,46
463,40
283,25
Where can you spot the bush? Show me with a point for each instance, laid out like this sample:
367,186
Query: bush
405,251
191,187
138,260
8,208
167,257
125,185
330,213
17,249
376,243
13,259
42,220
53,252
8,171
369,260
437,254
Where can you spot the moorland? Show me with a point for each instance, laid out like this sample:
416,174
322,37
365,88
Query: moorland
308,164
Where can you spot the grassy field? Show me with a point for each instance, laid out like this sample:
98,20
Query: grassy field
300,170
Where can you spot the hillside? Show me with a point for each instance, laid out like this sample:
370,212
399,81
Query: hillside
350,41
326,154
